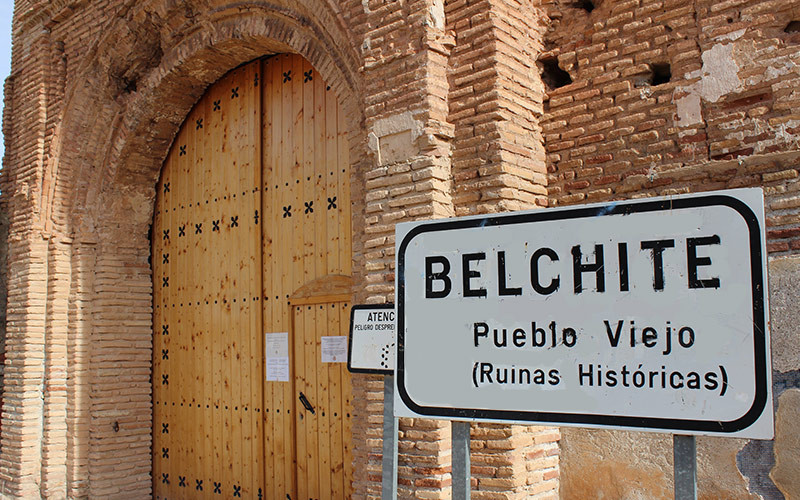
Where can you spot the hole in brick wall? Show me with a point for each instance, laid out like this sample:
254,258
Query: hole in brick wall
661,73
128,85
792,27
552,75
586,5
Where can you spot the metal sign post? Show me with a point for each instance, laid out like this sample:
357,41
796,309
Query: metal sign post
461,468
684,459
389,461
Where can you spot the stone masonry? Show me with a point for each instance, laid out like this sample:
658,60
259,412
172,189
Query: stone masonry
454,107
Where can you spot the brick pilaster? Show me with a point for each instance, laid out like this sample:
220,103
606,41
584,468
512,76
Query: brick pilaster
54,425
23,385
496,105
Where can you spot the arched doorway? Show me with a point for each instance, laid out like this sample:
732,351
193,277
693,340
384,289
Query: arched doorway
251,261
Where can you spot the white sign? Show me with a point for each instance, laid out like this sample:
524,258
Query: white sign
334,349
276,346
372,339
639,314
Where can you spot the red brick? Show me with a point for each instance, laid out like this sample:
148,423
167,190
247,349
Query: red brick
595,160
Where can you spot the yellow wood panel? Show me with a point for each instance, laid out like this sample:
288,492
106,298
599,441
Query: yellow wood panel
334,425
256,205
324,327
306,211
214,347
347,410
268,225
324,467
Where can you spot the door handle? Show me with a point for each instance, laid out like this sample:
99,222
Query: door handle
306,403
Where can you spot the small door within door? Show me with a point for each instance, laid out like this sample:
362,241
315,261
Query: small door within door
322,406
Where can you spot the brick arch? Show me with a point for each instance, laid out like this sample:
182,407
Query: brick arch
123,113
133,92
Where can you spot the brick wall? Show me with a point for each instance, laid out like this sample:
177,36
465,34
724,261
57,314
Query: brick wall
618,127
612,132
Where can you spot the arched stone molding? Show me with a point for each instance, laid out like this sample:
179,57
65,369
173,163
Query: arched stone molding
123,112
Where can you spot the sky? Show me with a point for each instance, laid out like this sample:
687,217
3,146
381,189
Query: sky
6,10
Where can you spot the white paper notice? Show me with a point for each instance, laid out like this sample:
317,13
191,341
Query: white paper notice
276,346
334,349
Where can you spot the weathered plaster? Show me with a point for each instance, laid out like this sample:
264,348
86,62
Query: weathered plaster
784,274
718,77
393,138
689,110
787,445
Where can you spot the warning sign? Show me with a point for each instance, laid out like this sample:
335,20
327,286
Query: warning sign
372,339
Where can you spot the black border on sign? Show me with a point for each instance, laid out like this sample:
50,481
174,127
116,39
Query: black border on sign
350,340
619,208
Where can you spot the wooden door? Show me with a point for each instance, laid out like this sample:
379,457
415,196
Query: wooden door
319,317
253,204
306,239
207,389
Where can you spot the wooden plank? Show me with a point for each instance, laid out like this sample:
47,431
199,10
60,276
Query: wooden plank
335,427
215,126
226,242
331,164
323,458
343,181
313,365
282,231
200,329
172,327
215,144
180,386
295,135
257,305
301,386
347,431
307,179
320,180
247,236
179,456
160,319
242,236
329,285
155,262
284,398
178,328
189,385
159,250
251,387
178,452
268,269
317,299
293,255
238,153
198,261
163,468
